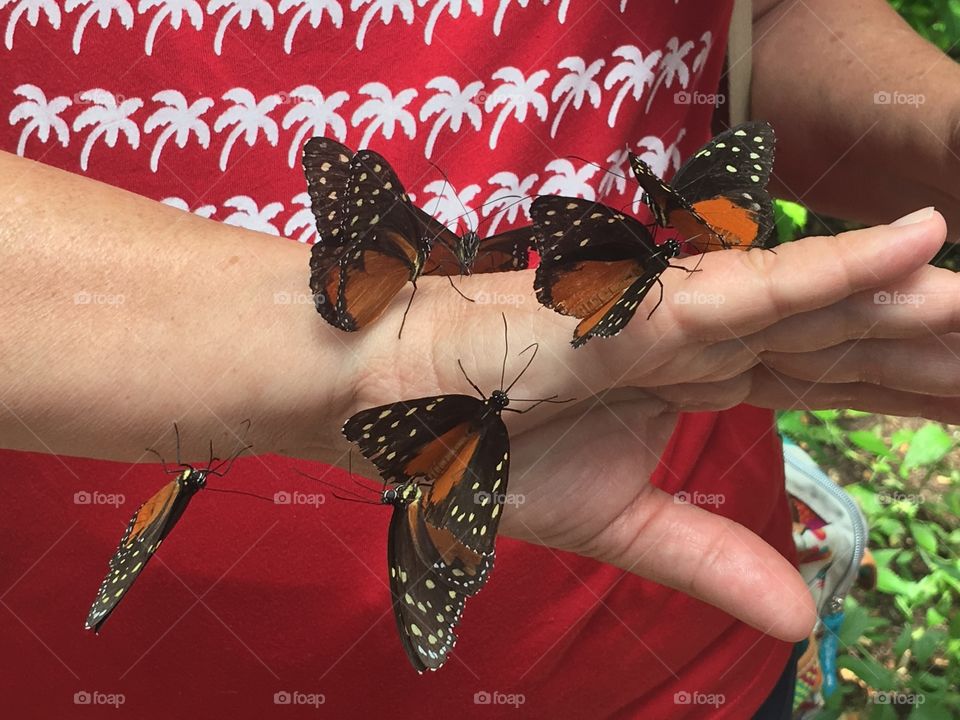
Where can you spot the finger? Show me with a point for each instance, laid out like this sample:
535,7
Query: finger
713,559
926,302
928,365
775,391
737,293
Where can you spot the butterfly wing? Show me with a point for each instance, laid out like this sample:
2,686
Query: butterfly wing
381,247
425,607
326,165
505,251
596,263
147,528
469,488
414,438
724,186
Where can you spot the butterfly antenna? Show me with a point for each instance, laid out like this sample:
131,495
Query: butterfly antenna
357,497
466,213
241,492
176,431
472,383
536,348
162,461
506,350
409,303
607,170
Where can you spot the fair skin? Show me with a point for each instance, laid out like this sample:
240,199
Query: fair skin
200,337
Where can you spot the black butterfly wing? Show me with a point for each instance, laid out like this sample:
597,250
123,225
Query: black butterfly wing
461,568
381,247
414,438
326,164
149,525
662,199
725,184
425,607
468,491
596,263
505,251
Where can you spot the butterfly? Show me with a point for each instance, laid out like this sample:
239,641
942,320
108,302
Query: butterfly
370,242
456,444
596,263
469,254
373,239
718,199
431,576
148,527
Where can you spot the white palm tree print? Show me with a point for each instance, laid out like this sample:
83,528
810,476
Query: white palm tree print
41,116
383,8
242,9
172,11
516,94
301,226
501,11
700,60
659,157
32,8
311,10
635,73
451,105
249,117
672,67
315,113
614,178
109,119
451,207
561,10
247,214
569,181
506,201
454,7
576,85
204,211
104,10
384,111
180,119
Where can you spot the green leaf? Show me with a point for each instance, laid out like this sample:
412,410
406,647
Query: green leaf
901,437
870,671
925,537
929,445
903,642
869,441
855,622
955,626
790,219
925,645
930,709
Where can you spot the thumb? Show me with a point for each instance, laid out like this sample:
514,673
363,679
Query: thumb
713,559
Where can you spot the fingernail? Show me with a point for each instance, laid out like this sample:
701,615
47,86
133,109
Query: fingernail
914,217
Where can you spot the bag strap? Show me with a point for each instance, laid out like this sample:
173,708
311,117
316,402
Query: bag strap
739,61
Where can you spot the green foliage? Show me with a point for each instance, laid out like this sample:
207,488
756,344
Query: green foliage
904,636
936,20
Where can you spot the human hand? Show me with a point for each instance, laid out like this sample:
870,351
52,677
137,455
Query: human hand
769,329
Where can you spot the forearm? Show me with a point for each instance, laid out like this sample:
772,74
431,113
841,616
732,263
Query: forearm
818,66
121,315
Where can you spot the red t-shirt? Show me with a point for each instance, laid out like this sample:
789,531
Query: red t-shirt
207,108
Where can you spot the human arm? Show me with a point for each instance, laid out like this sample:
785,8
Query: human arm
821,73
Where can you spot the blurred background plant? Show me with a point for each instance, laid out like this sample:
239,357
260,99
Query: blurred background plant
904,636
